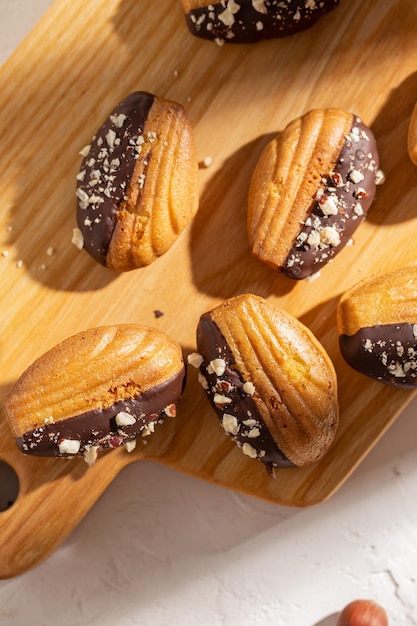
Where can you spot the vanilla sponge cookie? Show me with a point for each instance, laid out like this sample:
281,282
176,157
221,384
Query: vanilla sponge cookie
137,188
310,190
101,388
377,324
270,381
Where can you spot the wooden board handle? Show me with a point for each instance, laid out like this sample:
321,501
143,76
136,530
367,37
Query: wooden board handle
53,498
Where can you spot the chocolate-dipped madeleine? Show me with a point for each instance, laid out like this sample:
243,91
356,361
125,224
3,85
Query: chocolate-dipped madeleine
249,21
269,380
311,188
137,187
101,388
377,324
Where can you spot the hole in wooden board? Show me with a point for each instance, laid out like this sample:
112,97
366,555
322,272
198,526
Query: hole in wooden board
9,486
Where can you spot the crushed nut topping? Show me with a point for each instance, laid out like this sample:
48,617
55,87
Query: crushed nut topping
77,238
356,176
228,15
171,410
125,419
249,450
229,19
220,399
148,430
90,455
69,446
107,169
217,366
203,381
249,388
230,424
130,445
340,204
259,5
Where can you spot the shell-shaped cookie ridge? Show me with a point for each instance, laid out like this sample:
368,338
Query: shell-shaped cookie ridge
387,298
163,195
94,370
311,188
137,188
377,326
294,382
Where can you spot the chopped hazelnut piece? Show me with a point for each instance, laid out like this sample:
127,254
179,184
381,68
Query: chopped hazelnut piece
217,366
125,419
90,455
77,238
230,424
249,388
130,445
249,450
194,359
69,446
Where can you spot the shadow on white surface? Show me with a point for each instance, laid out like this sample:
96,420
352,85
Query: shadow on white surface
328,621
160,548
154,537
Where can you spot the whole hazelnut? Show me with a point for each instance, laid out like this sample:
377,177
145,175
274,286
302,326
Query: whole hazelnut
363,613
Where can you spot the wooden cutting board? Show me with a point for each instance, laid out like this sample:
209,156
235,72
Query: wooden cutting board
55,91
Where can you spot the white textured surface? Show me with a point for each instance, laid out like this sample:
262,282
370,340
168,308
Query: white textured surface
162,549
17,17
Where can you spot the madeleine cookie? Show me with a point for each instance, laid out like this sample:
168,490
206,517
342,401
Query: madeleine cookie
137,187
248,21
311,188
270,381
377,324
101,388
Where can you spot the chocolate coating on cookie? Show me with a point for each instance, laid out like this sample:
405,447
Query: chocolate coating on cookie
270,381
138,185
249,21
106,170
110,427
97,389
231,397
341,204
386,352
310,189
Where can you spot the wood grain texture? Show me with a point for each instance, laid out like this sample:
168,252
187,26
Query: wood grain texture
55,91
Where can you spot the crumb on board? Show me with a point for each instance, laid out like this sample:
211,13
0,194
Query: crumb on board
206,162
